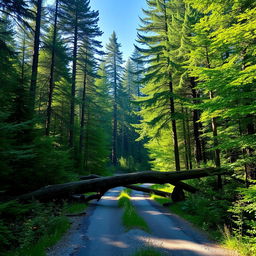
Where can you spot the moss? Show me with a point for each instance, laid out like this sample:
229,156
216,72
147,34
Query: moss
130,217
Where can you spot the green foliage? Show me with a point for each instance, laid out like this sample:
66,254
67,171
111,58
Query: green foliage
147,252
46,164
58,226
72,208
243,217
231,222
130,217
129,164
30,227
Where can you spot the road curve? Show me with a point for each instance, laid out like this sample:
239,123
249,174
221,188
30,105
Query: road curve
101,233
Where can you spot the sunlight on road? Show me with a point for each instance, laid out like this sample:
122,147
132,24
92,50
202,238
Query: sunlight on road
184,246
118,244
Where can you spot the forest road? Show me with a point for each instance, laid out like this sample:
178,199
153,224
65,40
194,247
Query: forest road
101,233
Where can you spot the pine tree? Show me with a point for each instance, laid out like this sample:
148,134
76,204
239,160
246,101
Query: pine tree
78,22
51,82
37,30
97,137
159,76
114,68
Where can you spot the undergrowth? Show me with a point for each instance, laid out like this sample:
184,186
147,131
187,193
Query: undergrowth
130,217
228,216
29,229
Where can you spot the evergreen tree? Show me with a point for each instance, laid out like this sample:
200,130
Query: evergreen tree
37,32
114,68
98,118
79,23
159,76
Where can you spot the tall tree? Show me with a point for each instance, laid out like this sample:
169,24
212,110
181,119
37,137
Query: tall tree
37,30
114,67
78,22
159,76
51,83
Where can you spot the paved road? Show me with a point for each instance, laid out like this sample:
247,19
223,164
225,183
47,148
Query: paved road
102,234
172,234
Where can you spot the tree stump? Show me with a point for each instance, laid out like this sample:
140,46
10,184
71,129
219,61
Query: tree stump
178,194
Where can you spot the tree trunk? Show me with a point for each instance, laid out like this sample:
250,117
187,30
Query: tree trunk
51,84
73,88
215,143
114,136
86,150
174,129
102,185
196,126
189,141
214,131
183,185
172,107
81,139
35,57
250,167
185,139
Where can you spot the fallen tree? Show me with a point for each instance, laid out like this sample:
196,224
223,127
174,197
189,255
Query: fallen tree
103,184
84,199
180,184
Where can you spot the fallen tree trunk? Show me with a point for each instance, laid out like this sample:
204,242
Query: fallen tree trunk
182,185
150,190
101,185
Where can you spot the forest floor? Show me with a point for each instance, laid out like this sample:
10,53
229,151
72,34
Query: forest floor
101,233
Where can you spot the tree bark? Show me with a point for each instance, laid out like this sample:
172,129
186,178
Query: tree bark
73,88
114,136
214,130
183,185
189,141
51,84
185,139
196,125
171,103
103,184
82,122
174,128
33,82
215,142
250,167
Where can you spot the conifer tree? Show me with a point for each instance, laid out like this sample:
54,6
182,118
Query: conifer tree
79,22
37,32
159,76
51,82
114,68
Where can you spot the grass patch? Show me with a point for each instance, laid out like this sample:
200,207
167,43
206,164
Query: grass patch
43,229
74,208
166,188
130,217
243,248
57,229
147,252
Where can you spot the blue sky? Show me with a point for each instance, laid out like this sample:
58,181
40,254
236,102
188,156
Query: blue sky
121,16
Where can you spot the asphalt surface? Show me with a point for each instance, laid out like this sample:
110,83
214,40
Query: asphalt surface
101,233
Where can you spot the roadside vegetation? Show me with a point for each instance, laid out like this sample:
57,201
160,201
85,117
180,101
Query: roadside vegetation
130,217
228,216
147,252
37,226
